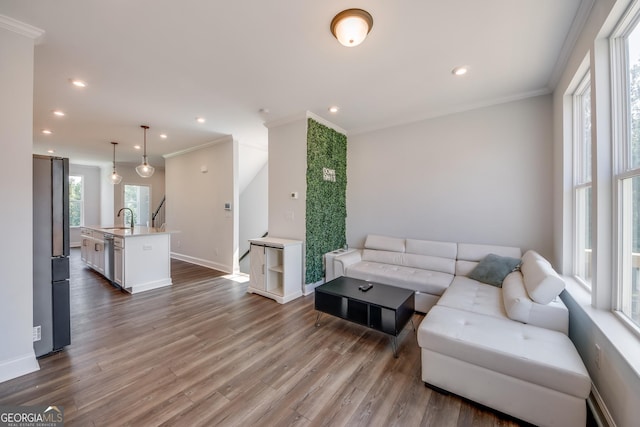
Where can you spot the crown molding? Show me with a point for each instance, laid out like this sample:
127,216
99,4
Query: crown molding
455,110
221,140
304,116
579,21
21,28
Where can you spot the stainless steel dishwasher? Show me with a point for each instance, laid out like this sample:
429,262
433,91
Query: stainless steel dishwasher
108,257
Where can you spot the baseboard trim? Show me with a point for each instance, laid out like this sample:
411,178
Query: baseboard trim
202,262
598,409
308,288
18,367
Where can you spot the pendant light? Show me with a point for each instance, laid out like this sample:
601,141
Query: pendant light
115,178
144,169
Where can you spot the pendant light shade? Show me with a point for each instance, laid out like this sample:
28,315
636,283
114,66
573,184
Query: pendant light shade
144,169
115,178
351,26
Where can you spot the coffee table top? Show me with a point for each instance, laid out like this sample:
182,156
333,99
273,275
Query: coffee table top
381,295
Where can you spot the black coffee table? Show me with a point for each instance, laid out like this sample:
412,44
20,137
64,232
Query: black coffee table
383,308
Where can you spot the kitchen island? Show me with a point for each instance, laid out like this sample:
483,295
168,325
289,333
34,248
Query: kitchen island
135,259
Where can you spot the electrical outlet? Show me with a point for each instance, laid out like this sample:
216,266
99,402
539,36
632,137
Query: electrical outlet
37,333
598,356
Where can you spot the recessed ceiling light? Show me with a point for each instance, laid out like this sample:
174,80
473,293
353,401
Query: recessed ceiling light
163,135
263,111
78,83
333,109
46,131
200,119
58,113
460,71
137,147
50,151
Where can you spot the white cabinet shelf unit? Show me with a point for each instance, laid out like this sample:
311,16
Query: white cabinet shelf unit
276,268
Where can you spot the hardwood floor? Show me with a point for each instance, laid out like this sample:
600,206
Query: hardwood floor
204,352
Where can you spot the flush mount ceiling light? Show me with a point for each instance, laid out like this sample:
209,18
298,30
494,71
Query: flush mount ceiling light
460,71
200,119
58,113
334,109
144,169
78,83
46,131
115,178
351,26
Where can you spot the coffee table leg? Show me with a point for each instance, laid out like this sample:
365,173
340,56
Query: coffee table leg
394,345
318,319
412,325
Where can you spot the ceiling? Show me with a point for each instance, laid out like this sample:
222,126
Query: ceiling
165,62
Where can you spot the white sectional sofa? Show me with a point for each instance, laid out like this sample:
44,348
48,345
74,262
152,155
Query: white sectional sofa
504,344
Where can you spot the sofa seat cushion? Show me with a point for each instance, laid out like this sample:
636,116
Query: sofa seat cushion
536,355
468,294
431,282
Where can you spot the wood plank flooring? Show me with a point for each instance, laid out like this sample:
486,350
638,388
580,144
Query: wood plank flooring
204,352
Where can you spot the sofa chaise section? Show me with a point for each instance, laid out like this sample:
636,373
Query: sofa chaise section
529,372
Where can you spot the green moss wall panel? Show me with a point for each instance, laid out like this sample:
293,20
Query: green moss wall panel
326,195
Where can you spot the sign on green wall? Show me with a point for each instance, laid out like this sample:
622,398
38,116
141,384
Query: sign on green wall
326,195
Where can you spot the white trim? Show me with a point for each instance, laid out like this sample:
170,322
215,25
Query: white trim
303,116
222,139
309,288
570,41
597,407
453,110
21,28
142,287
19,366
202,262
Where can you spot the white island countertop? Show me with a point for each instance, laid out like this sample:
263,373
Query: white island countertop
120,231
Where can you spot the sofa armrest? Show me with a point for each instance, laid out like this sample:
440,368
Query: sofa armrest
341,262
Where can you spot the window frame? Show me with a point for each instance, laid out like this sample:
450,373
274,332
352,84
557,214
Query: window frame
81,201
622,157
582,162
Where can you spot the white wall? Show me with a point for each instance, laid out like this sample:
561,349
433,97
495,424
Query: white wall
288,174
16,256
92,197
195,204
253,211
482,176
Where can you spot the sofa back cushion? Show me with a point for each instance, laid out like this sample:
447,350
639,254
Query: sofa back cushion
470,254
540,279
384,257
519,306
384,243
426,262
432,248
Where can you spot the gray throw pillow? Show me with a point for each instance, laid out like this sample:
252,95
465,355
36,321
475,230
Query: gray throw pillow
494,268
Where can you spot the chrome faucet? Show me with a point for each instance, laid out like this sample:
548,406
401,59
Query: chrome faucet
129,211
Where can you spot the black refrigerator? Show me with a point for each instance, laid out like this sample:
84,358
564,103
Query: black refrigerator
51,311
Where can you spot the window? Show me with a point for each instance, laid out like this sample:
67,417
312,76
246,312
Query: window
582,181
138,199
76,201
626,49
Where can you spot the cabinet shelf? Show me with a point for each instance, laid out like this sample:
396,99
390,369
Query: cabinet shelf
277,269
